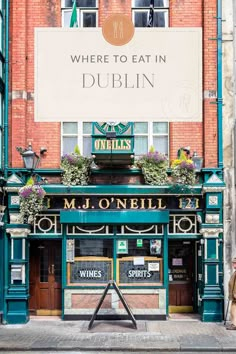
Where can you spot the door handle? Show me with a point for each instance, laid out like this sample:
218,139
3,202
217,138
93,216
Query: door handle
49,271
52,268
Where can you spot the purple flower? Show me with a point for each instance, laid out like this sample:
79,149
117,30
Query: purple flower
187,165
27,192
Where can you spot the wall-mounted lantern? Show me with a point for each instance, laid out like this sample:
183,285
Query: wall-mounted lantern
197,161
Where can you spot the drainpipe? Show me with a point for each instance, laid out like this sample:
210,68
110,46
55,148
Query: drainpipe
5,138
219,84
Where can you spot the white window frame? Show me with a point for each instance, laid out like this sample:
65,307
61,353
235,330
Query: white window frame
150,135
134,10
80,12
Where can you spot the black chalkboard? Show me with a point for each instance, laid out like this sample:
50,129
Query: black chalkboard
90,272
130,273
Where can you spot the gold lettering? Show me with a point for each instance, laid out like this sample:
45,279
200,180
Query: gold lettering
102,145
142,205
68,205
133,203
197,203
97,144
101,203
87,202
128,146
181,203
48,203
188,203
122,203
160,206
150,206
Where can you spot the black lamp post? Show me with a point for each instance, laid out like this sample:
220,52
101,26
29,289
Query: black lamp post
30,158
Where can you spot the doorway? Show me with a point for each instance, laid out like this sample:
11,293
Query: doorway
181,262
45,277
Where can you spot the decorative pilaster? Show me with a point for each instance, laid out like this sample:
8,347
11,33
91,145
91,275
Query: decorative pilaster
212,230
17,294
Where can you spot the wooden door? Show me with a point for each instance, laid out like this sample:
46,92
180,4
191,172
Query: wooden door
181,276
45,277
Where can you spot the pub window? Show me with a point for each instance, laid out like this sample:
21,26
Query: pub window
94,248
148,134
87,12
76,133
140,12
140,262
92,262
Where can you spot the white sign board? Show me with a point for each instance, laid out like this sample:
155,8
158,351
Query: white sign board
80,76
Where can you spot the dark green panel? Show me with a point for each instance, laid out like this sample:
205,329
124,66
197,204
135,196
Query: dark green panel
114,217
17,248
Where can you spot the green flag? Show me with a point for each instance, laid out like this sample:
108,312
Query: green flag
73,19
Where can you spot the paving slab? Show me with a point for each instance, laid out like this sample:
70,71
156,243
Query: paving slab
117,336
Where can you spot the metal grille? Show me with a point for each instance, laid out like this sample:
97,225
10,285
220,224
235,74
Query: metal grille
183,224
47,224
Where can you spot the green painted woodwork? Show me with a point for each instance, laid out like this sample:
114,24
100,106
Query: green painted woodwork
213,201
114,217
212,310
165,268
211,248
1,273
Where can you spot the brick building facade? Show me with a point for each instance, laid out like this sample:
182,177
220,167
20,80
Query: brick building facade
189,226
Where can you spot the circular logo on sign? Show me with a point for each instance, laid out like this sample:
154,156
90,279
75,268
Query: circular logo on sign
118,29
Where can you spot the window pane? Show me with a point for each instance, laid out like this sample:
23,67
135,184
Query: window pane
87,128
95,247
159,19
86,3
140,128
79,3
161,144
69,144
140,145
89,19
70,128
140,18
87,146
160,128
66,15
146,3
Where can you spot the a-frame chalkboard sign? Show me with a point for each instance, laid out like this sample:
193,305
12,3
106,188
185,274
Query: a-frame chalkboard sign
130,314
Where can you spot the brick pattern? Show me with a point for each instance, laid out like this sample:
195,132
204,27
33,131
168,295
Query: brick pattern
25,15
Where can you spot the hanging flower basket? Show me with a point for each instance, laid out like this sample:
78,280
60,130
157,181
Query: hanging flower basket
183,172
31,202
76,169
154,168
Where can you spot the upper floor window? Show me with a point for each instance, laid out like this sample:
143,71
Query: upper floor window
140,13
146,134
87,12
76,133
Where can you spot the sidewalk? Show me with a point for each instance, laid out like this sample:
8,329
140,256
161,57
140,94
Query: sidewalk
151,336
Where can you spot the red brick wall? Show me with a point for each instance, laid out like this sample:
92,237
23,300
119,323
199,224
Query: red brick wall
25,15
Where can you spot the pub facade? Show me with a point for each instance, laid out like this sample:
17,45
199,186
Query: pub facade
161,243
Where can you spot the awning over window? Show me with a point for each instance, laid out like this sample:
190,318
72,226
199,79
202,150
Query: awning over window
134,217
